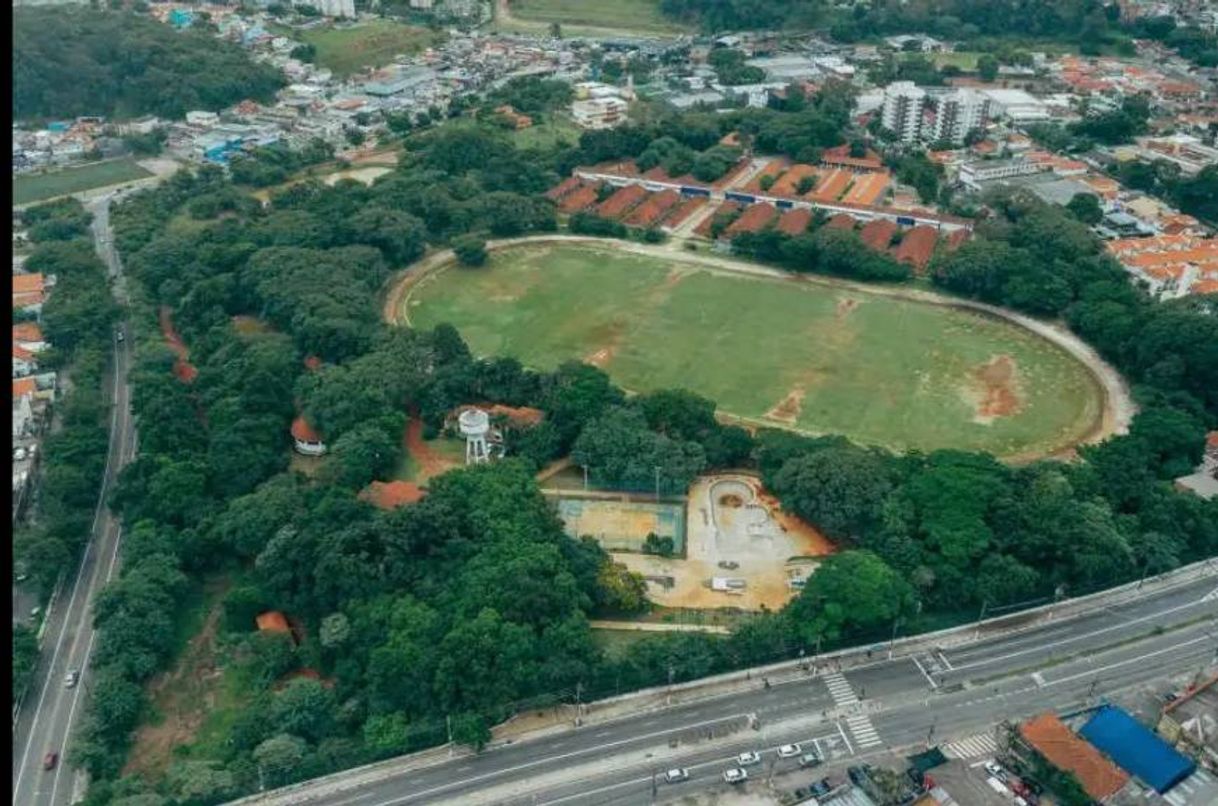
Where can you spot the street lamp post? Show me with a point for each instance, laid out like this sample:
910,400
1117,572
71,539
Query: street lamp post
657,469
585,467
896,622
981,617
671,672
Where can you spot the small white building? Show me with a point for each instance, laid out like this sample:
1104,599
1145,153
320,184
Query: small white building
305,439
974,174
1016,105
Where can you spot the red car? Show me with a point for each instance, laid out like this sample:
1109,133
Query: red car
50,760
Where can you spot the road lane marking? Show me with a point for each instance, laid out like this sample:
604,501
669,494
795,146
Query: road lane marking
550,759
929,679
943,659
1080,637
849,746
1096,672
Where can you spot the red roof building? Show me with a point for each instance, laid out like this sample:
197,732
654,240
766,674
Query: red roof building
305,438
653,208
563,188
917,247
753,219
839,157
1050,737
840,221
878,234
795,222
579,199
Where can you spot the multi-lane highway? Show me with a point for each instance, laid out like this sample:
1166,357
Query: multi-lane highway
869,706
51,710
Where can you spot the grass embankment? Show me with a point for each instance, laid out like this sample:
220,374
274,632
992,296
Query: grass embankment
349,49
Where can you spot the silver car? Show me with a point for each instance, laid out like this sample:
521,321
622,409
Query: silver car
735,775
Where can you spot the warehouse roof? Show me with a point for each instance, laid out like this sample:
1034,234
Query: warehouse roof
1136,750
1050,737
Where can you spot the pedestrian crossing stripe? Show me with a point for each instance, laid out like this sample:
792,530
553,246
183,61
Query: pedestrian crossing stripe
971,747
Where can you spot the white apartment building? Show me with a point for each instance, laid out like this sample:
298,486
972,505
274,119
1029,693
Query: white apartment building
335,8
599,113
959,113
1017,105
903,110
974,174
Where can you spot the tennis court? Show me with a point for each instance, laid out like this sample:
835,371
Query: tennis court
620,525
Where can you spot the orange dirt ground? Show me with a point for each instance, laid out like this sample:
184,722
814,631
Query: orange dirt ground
430,463
183,370
999,396
787,410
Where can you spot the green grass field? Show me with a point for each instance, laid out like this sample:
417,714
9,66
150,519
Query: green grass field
372,44
547,134
642,16
965,60
880,370
36,187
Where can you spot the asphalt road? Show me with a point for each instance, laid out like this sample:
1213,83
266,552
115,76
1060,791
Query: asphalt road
51,711
867,710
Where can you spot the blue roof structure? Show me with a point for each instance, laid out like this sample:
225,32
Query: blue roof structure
1136,750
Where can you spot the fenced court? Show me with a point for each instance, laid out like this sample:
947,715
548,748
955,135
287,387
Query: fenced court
621,525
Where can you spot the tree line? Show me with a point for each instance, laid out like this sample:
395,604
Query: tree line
77,320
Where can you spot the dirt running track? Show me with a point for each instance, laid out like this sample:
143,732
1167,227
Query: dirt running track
1118,407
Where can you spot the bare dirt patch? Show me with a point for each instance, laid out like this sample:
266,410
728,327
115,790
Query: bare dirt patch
845,307
609,342
788,409
183,695
731,501
250,325
183,370
996,389
430,462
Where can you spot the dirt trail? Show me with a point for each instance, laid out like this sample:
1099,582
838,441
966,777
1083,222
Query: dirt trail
430,462
998,384
1117,409
183,370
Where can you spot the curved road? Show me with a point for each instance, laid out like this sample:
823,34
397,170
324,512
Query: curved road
51,711
863,704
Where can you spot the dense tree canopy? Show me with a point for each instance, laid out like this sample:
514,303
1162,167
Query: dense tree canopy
125,65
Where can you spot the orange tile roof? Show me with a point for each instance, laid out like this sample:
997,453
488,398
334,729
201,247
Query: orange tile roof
653,208
684,210
1058,744
1206,286
303,431
22,353
831,186
728,208
563,188
840,155
273,621
753,219
878,234
840,221
917,246
788,184
23,387
312,363
392,494
578,200
28,283
621,201
774,168
27,331
795,222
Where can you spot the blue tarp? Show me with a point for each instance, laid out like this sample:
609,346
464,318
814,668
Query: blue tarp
1136,750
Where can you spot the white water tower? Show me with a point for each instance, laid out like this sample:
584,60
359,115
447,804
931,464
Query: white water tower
475,424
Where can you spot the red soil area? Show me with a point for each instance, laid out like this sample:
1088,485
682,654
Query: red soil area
430,463
183,370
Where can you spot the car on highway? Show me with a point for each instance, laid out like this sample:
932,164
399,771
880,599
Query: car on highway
748,757
809,760
822,787
50,760
71,678
994,769
735,775
789,751
729,564
676,775
119,336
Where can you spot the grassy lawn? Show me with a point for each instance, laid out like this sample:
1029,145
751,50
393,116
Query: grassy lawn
882,371
627,15
614,643
964,60
375,43
36,187
547,134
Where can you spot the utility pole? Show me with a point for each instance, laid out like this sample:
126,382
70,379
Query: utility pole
1145,570
671,672
657,483
654,789
931,731
578,691
585,467
896,622
1091,690
981,617
448,722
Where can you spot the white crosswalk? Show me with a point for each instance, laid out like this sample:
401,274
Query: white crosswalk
843,697
980,745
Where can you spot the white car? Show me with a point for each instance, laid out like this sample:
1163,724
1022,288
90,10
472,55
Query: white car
69,680
675,775
995,770
789,751
735,776
747,758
